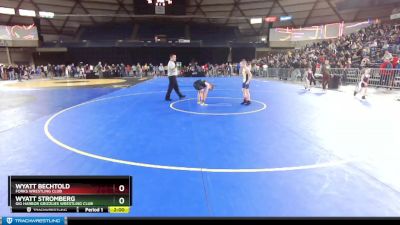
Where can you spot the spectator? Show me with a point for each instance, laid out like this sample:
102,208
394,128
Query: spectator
395,61
365,62
388,56
385,73
161,69
10,71
325,74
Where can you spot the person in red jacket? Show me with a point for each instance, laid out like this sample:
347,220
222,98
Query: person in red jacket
395,61
391,78
384,72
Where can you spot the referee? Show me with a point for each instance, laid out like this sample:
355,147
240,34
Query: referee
173,83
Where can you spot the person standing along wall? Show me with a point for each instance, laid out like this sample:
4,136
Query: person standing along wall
10,71
326,76
161,70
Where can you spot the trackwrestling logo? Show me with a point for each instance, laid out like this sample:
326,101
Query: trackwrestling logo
33,220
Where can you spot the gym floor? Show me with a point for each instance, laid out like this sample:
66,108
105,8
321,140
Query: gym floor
292,152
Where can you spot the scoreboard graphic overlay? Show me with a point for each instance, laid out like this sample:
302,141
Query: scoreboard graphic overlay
70,194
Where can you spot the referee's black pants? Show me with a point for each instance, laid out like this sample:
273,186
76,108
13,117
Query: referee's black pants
173,84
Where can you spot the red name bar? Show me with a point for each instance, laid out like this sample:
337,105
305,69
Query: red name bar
271,19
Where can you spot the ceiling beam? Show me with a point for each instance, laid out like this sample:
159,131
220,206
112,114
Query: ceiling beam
310,13
205,9
188,6
356,15
198,4
195,10
244,15
202,11
225,4
97,2
66,19
49,21
16,9
334,10
86,11
284,11
117,12
224,11
230,13
268,14
122,6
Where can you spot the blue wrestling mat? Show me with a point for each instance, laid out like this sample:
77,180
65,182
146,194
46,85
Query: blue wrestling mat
290,153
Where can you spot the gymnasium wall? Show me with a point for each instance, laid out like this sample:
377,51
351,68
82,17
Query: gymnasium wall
154,55
17,55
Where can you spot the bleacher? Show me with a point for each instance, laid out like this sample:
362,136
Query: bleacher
171,31
212,34
116,31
